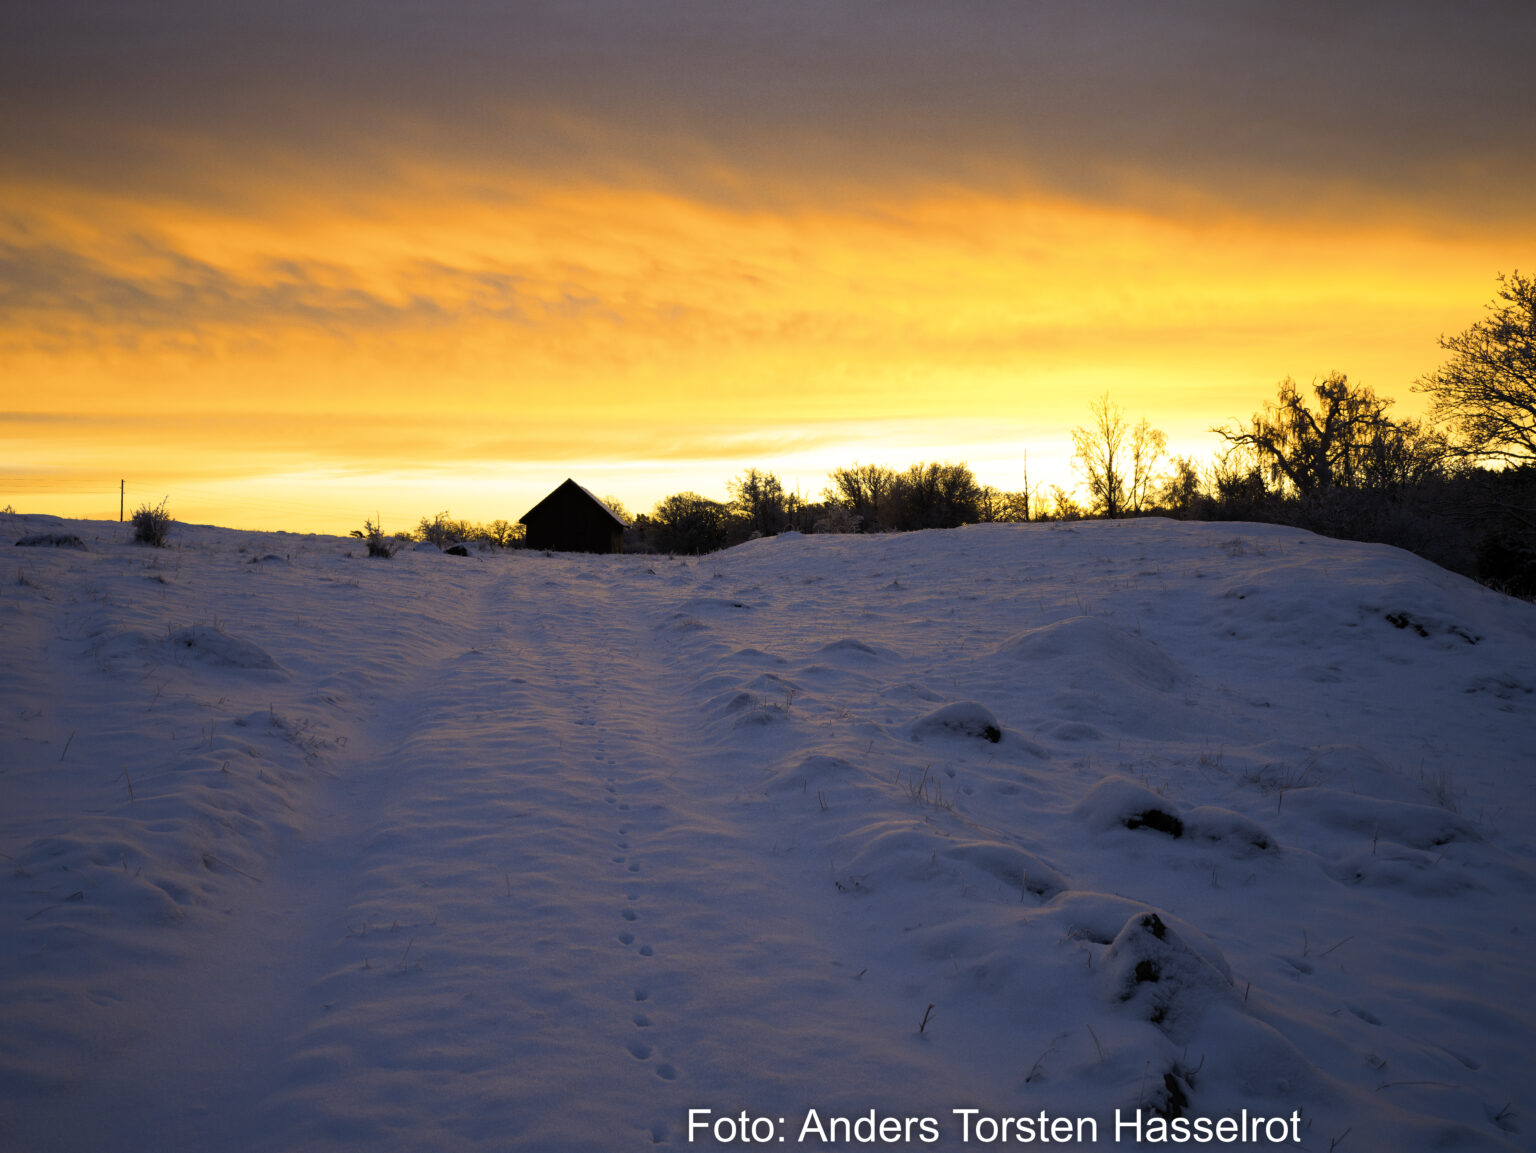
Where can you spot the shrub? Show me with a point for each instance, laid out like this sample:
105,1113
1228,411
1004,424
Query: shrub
151,524
443,530
378,543
440,530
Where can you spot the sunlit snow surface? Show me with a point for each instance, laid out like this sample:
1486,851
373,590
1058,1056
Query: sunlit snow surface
304,850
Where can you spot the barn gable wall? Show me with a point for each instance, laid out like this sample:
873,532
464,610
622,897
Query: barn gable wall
570,519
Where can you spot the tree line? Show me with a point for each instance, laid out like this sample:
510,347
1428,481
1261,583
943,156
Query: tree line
1458,488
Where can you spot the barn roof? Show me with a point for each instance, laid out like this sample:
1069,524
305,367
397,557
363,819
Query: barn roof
568,488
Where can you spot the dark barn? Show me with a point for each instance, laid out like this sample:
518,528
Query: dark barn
571,519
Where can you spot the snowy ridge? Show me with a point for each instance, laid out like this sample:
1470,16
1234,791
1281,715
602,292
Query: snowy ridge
305,850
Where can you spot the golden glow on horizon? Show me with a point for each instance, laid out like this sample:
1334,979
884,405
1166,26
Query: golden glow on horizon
453,341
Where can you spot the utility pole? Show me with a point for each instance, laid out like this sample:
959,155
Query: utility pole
120,501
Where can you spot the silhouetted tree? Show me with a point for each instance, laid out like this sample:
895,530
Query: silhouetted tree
1487,390
758,499
640,536
1400,455
1060,505
1237,487
833,517
1118,462
1147,447
1013,506
1308,451
689,523
864,490
936,496
991,505
1099,454
504,535
1179,493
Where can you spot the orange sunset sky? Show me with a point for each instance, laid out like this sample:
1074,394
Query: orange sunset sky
294,264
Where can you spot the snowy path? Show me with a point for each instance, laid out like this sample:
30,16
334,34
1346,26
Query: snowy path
313,852
507,873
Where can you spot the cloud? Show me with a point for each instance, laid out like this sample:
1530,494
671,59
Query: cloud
1257,102
69,295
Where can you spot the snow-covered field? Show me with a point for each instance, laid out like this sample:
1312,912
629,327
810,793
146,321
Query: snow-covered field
304,850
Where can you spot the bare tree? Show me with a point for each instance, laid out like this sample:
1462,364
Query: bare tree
1401,455
1061,506
1487,391
1311,450
1100,454
1148,445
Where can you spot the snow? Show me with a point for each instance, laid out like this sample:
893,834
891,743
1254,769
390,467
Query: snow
306,850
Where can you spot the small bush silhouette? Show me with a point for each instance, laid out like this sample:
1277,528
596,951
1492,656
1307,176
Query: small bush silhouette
378,543
151,524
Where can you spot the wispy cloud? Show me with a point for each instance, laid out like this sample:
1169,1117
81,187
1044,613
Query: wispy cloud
1254,101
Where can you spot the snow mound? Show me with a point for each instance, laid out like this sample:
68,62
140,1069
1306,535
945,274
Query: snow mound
964,719
1118,802
815,772
712,606
1391,866
855,651
682,624
1417,826
215,647
1156,973
1073,731
897,853
1243,835
1016,869
1079,915
750,709
1093,642
756,656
